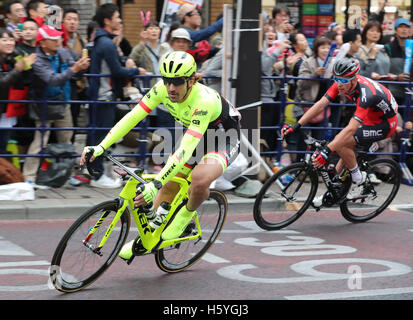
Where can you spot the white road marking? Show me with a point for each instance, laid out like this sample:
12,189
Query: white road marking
24,263
8,248
212,258
253,227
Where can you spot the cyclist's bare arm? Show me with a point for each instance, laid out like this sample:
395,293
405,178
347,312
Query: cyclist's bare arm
318,107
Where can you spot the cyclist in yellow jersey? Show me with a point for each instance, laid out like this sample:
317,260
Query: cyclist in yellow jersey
199,109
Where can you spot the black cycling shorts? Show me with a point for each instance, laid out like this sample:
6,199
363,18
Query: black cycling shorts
365,134
220,144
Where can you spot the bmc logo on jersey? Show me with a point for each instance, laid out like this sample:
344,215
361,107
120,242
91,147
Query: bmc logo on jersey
363,95
372,133
383,105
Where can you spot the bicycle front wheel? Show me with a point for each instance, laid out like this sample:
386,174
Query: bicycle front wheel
285,196
211,215
76,265
383,182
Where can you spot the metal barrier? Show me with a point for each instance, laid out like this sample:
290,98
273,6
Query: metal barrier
143,127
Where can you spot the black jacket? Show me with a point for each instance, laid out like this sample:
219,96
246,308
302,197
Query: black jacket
396,54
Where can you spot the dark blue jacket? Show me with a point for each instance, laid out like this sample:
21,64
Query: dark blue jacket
105,49
204,34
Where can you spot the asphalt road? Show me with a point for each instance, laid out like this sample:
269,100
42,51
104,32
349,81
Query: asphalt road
321,256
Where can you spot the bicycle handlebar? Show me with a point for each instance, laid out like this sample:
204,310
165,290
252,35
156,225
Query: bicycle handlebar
115,161
89,168
314,142
126,169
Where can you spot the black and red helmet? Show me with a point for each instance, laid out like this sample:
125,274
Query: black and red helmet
346,68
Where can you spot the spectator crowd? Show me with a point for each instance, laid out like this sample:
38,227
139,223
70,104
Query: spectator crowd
40,62
287,52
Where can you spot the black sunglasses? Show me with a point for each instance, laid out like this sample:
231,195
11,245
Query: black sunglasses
191,13
175,81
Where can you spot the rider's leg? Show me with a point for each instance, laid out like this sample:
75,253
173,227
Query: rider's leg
345,149
208,170
167,192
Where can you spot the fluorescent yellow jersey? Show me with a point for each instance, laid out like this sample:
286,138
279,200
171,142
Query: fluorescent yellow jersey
203,108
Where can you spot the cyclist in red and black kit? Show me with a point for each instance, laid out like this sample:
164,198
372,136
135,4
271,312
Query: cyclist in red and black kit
375,119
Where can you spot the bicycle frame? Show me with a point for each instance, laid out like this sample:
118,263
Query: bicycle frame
151,240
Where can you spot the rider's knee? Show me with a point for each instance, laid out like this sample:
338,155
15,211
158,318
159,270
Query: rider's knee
200,185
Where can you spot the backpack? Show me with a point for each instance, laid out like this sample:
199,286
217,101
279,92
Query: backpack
201,51
54,172
9,173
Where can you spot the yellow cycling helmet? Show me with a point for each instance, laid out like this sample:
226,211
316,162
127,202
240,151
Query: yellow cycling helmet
178,64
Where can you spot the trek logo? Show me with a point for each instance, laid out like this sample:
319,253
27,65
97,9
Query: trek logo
372,133
167,173
144,222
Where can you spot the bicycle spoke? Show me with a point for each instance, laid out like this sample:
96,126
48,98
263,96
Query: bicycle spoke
79,262
381,187
275,206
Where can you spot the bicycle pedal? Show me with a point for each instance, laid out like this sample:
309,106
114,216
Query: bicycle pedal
137,248
129,261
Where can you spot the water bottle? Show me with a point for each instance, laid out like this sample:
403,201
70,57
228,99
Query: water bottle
149,210
329,135
159,216
163,208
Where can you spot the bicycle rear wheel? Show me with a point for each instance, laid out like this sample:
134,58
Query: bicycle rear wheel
285,196
75,265
211,215
381,192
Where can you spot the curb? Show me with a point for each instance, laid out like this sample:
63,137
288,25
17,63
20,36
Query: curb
72,209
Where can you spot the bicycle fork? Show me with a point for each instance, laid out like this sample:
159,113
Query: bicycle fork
93,229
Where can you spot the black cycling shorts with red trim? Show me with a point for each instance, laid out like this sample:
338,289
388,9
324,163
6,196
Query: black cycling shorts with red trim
225,143
366,134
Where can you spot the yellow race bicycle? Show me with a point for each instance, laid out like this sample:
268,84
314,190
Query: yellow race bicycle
93,242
